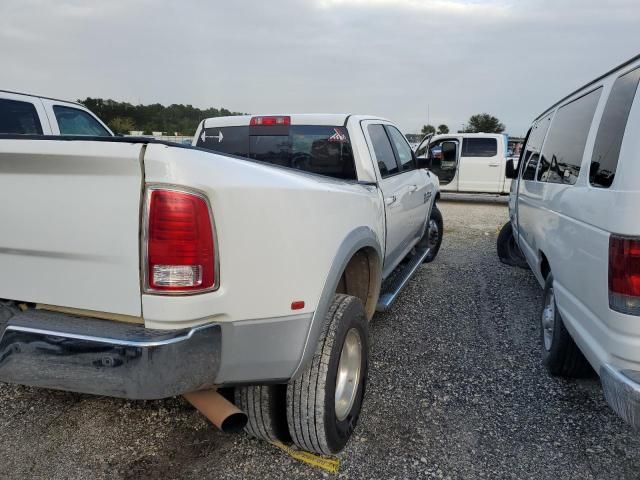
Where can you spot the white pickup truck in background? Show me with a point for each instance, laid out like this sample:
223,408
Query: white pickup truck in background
467,162
24,114
140,269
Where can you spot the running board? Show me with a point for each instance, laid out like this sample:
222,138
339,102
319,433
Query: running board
394,284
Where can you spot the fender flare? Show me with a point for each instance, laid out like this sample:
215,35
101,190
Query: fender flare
361,237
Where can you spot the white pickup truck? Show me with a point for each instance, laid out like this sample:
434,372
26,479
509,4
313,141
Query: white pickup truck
141,269
467,162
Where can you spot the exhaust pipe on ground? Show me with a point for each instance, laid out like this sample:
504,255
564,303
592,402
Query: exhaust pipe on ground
221,412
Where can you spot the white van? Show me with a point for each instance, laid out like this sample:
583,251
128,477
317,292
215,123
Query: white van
24,114
467,162
575,215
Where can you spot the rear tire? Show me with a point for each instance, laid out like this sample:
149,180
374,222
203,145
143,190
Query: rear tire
560,354
508,251
319,420
433,234
265,406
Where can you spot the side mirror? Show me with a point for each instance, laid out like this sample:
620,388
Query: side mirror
423,161
511,171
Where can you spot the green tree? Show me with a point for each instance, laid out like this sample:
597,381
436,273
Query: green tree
151,118
442,128
121,124
484,123
427,129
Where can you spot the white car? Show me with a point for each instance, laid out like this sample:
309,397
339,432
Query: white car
574,219
137,268
23,114
467,162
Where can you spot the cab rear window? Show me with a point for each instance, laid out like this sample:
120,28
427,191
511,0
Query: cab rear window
324,150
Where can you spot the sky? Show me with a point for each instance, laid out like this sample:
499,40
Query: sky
411,61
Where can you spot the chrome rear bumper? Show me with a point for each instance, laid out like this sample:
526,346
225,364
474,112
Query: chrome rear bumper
622,392
54,350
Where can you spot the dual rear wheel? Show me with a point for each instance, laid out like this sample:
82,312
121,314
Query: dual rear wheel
319,410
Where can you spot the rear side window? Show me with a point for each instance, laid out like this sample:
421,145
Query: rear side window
73,121
324,150
383,151
405,156
479,147
19,118
606,150
563,150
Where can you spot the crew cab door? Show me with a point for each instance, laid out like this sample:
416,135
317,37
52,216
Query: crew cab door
481,165
70,223
404,188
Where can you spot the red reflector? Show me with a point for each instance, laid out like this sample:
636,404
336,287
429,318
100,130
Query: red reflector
180,249
270,121
297,305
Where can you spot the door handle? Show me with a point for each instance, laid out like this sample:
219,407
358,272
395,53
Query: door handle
413,188
494,164
390,200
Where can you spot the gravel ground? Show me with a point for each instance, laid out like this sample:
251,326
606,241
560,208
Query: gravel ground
456,390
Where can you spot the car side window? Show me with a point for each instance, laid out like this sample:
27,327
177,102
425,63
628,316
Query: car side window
19,118
73,121
606,150
402,148
382,149
562,153
479,147
532,160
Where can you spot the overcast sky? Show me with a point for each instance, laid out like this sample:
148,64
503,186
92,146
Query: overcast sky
394,58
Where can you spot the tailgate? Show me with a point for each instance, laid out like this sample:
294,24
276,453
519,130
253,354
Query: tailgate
69,223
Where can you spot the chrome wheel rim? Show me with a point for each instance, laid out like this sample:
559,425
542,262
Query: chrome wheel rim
433,233
348,376
548,318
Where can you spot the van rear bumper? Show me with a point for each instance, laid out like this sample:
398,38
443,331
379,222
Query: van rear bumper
87,355
622,392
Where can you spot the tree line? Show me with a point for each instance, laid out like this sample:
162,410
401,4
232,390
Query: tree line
478,123
123,117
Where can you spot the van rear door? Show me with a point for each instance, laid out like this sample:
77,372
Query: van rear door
70,223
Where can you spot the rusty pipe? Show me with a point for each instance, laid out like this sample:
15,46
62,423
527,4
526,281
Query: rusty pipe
221,412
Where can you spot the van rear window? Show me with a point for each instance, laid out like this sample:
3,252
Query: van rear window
324,150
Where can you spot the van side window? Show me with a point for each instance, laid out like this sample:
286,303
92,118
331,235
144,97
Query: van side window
479,147
382,148
563,150
606,150
19,118
532,149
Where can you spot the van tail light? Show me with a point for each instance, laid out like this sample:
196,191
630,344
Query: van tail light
270,121
180,248
624,275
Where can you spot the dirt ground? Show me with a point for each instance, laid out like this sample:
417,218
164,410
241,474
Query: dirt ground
456,390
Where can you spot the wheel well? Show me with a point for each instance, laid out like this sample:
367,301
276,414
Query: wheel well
437,196
361,278
545,268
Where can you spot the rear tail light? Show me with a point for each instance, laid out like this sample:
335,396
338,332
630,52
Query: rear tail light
624,275
270,121
180,250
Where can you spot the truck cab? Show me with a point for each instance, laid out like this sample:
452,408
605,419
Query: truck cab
24,114
467,162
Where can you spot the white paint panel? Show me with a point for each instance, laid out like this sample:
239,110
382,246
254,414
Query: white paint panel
69,217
